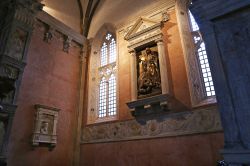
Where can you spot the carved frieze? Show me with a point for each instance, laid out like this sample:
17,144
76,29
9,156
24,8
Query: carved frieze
184,123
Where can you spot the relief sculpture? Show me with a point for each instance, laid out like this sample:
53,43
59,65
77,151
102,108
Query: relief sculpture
149,82
184,123
17,44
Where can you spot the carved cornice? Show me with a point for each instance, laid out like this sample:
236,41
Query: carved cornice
183,123
62,28
149,34
143,31
144,40
138,23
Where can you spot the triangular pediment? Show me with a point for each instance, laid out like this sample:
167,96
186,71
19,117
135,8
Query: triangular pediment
140,25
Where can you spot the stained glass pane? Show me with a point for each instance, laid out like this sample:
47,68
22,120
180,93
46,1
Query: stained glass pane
112,96
102,98
112,51
194,25
108,36
104,55
205,68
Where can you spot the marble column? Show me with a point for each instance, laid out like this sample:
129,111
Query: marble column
133,75
163,67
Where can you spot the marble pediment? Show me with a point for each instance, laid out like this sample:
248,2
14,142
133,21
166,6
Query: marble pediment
141,26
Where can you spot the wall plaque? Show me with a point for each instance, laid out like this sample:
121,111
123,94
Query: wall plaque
45,126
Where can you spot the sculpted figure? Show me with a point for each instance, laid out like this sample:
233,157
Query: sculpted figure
44,128
149,76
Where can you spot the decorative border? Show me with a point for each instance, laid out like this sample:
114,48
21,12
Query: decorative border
169,124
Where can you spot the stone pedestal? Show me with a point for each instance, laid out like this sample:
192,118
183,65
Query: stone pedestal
236,157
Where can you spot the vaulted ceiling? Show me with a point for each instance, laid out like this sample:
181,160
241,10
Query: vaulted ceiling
87,16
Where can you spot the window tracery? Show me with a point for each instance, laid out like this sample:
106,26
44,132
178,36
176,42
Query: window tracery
200,50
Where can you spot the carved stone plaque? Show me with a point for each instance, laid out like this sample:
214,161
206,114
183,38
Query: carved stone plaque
45,126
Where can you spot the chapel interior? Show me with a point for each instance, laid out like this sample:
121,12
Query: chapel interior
124,83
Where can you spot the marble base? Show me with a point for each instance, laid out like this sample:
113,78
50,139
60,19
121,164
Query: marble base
236,157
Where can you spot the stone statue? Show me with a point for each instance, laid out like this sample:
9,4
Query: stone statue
149,75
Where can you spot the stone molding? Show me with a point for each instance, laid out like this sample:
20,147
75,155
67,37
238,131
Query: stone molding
203,120
159,7
56,25
152,33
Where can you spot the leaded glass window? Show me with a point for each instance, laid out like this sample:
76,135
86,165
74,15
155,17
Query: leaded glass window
202,57
107,75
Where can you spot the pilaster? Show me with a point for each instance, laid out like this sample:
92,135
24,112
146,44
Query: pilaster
163,67
133,75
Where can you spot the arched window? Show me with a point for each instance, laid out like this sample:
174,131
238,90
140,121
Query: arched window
200,50
107,74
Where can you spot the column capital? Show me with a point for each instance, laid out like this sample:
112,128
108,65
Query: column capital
160,40
132,51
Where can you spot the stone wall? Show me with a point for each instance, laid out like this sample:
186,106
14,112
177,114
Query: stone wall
201,149
51,78
170,139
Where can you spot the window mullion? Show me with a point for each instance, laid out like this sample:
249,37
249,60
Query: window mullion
108,52
107,97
